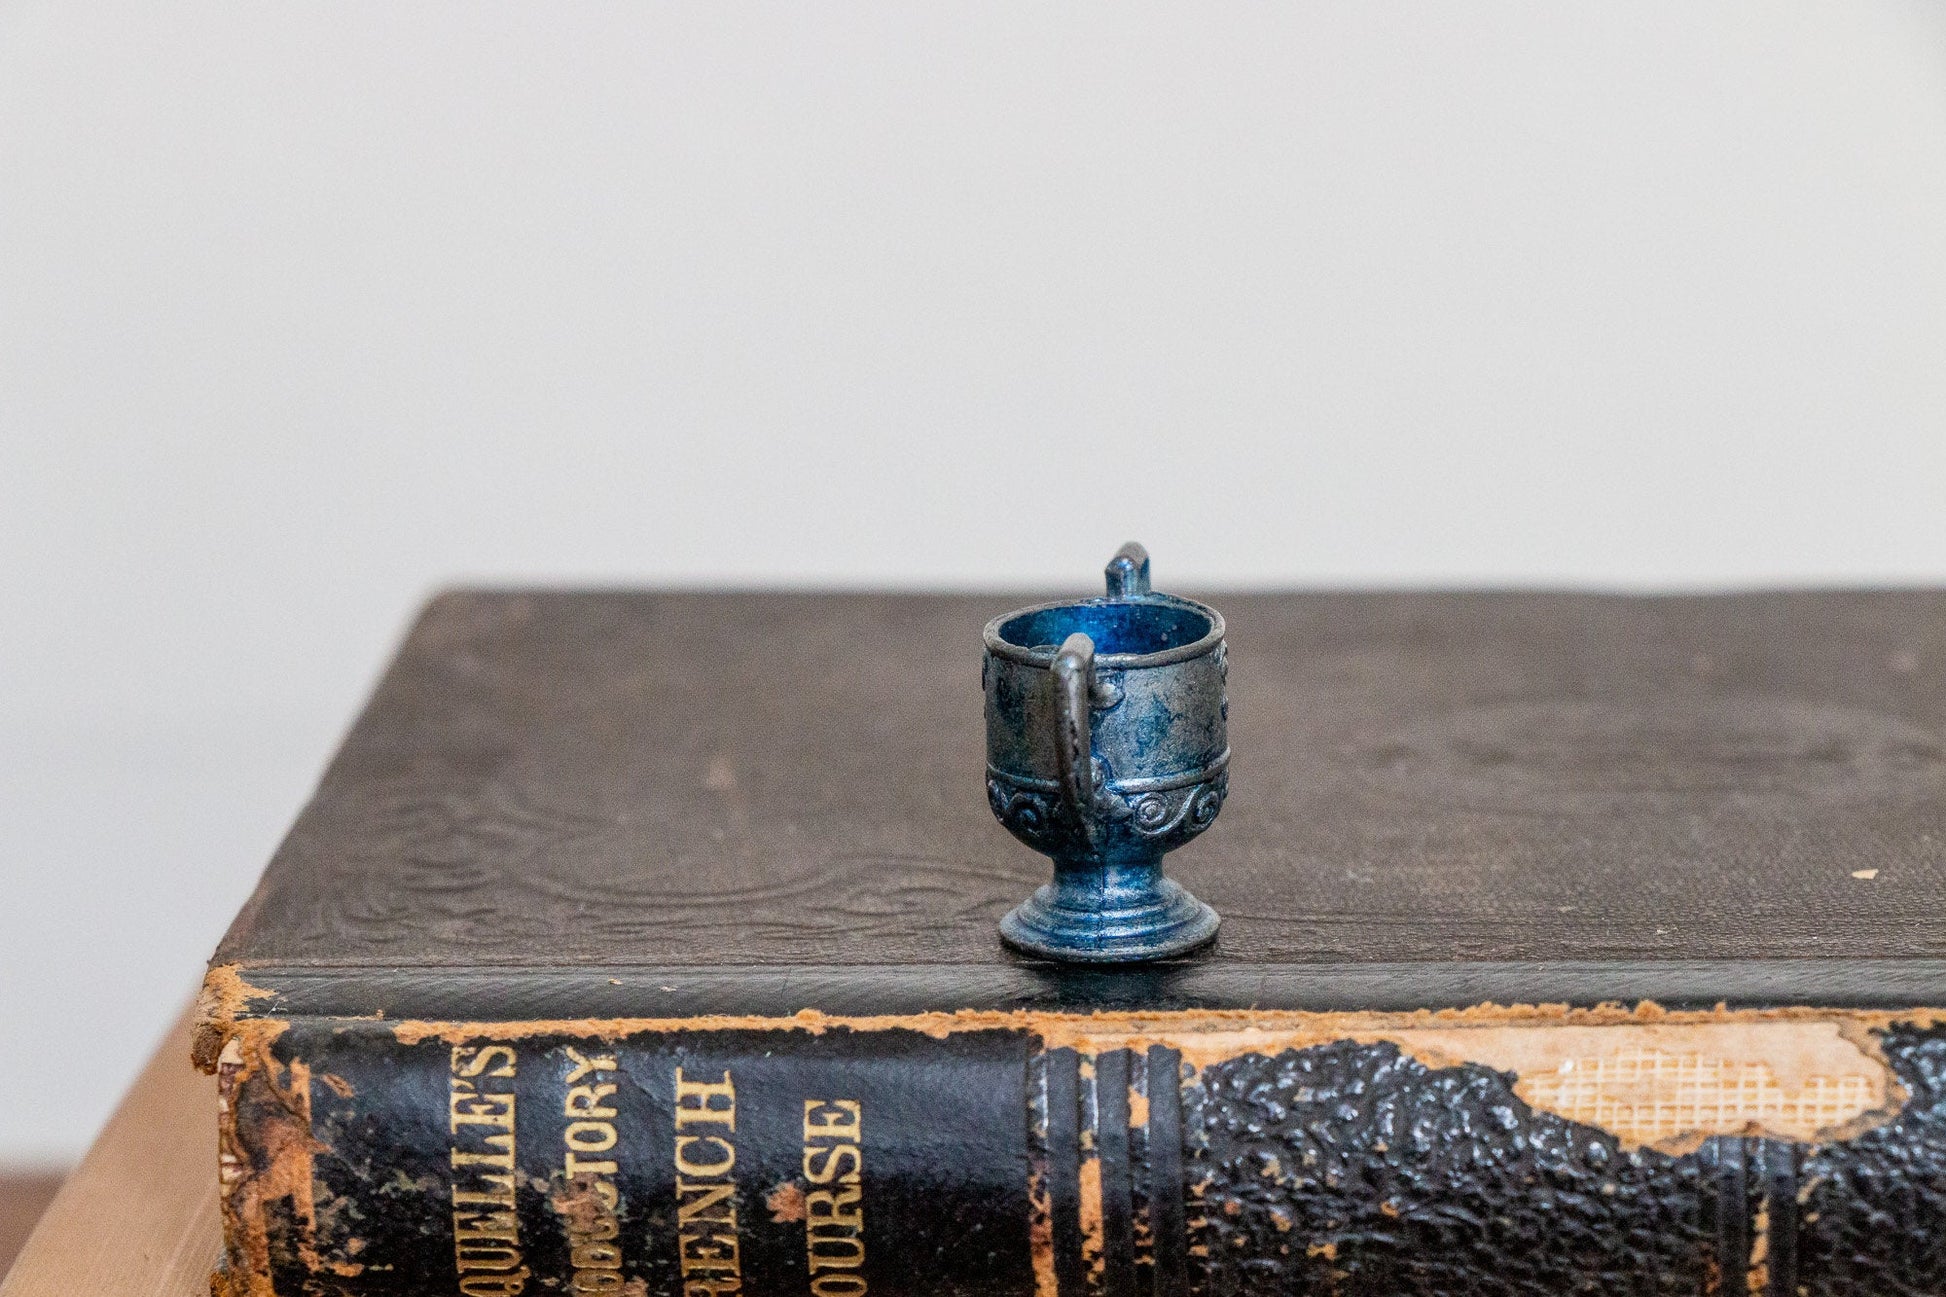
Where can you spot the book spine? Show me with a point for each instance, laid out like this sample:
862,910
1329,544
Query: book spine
715,1159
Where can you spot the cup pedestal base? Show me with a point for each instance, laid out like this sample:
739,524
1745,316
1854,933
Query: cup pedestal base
1109,914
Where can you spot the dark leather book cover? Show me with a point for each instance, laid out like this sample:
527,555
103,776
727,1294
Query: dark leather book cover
645,943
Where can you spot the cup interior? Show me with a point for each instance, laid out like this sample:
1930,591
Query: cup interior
1119,627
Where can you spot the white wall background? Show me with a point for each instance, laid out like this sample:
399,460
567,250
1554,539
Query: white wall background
306,308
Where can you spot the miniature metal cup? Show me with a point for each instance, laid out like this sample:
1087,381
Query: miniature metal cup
1106,748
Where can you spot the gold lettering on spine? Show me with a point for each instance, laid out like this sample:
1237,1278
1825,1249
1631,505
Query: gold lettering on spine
834,1216
486,1223
588,1200
708,1247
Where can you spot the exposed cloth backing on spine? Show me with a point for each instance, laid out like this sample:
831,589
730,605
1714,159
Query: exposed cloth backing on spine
1123,1182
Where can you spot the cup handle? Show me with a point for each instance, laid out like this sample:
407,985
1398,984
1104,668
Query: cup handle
1074,686
1128,572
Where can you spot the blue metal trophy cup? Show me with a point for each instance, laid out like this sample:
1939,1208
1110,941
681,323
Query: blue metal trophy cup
1106,748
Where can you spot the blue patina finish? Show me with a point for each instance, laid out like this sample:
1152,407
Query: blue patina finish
1106,747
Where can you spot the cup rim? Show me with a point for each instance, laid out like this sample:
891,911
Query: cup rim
1003,648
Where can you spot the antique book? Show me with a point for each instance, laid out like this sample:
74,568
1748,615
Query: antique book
644,943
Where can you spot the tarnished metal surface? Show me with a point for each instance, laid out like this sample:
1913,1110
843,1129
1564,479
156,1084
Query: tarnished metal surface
1107,746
